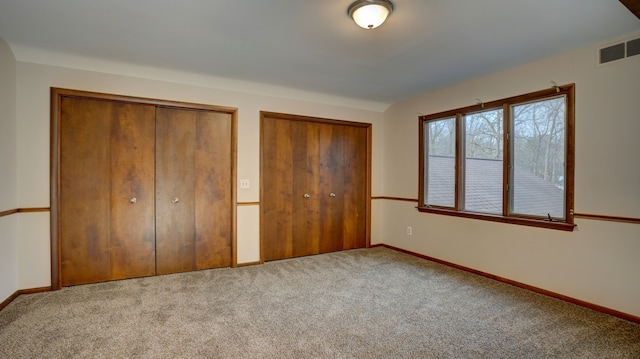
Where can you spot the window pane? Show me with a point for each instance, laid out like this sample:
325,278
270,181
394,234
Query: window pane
441,164
538,158
483,162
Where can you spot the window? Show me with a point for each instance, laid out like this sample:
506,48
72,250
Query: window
509,160
442,154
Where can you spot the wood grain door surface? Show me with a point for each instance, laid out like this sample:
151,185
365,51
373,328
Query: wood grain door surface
314,178
193,190
143,190
356,195
106,199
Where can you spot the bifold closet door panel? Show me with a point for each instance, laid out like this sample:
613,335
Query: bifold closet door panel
132,191
175,192
106,196
306,166
331,178
193,190
277,189
213,200
355,179
85,191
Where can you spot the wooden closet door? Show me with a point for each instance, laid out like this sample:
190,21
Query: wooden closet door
277,188
290,188
329,163
132,249
213,189
332,188
306,195
355,195
343,182
193,190
106,160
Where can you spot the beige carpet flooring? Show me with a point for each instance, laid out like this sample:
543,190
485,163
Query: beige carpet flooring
373,303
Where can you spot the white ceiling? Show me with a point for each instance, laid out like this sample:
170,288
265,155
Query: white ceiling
312,45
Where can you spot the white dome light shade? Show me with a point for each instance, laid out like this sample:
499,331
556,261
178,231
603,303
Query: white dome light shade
370,14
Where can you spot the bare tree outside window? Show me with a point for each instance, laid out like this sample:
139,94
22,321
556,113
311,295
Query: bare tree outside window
539,150
483,161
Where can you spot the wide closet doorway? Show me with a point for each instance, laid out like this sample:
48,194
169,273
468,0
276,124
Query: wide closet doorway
315,185
139,187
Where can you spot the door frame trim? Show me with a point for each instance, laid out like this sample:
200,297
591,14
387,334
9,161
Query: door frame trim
292,117
57,94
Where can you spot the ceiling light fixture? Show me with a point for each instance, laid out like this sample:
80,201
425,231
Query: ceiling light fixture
370,14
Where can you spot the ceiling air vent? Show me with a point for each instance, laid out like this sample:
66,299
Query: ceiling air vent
619,51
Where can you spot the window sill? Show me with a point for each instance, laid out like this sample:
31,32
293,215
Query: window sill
562,226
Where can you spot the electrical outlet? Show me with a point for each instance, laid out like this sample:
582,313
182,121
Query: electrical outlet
409,231
244,183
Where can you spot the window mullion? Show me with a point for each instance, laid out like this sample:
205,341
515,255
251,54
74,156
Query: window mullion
460,169
506,160
570,151
423,164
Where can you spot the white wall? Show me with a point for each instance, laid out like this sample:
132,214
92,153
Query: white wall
33,84
8,179
600,261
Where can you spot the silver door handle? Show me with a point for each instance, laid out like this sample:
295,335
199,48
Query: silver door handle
175,200
332,195
307,196
133,200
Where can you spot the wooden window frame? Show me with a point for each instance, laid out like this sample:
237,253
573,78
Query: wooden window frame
568,91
